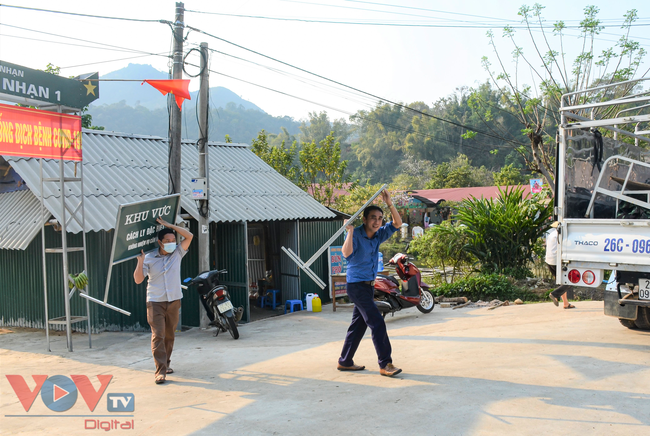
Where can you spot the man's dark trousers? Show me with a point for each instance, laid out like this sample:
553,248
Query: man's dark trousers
365,314
560,290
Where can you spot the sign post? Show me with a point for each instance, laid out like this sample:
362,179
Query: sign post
136,229
24,85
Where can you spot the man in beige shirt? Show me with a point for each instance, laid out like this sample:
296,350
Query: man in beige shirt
163,268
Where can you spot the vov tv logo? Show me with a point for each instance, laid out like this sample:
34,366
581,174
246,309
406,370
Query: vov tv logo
59,393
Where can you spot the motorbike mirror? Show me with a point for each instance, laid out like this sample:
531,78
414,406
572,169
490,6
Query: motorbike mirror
187,280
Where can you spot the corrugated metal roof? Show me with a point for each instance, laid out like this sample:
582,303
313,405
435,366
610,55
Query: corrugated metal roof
19,222
434,196
124,168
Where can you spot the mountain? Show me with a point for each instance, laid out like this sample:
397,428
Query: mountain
242,125
134,108
135,94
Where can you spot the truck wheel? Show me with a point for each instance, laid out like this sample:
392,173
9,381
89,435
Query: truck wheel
627,323
643,318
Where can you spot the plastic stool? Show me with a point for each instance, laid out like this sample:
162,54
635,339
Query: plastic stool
262,301
267,301
292,304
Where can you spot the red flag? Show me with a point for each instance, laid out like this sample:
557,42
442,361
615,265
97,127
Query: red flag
180,89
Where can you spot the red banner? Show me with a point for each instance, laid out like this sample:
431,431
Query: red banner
37,133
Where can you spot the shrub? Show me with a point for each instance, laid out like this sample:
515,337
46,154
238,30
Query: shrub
442,246
503,231
485,287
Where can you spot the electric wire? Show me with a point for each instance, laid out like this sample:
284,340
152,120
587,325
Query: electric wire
356,115
113,60
84,15
385,24
355,89
340,92
125,49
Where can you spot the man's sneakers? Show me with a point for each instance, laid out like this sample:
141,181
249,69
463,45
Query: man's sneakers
390,370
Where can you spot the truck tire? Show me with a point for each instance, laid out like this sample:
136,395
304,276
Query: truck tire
643,318
627,323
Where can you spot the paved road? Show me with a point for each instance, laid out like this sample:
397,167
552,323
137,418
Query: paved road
517,370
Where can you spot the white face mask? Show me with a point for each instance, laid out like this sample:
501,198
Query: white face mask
169,247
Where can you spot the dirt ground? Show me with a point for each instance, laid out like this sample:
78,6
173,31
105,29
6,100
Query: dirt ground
519,370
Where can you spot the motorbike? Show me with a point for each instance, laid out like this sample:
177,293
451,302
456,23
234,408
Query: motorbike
392,296
216,301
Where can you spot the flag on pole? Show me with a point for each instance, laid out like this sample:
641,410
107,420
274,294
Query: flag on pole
178,87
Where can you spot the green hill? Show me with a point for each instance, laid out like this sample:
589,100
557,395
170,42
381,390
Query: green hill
134,108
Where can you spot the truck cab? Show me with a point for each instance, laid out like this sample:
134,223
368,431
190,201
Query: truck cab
603,196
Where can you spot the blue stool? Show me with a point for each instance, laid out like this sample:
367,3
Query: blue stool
292,304
262,301
267,301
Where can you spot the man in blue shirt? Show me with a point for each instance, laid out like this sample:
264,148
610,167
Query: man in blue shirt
361,250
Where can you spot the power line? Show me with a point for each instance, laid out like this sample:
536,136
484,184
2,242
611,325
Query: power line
73,45
377,23
79,39
355,115
353,88
307,81
86,15
447,12
115,60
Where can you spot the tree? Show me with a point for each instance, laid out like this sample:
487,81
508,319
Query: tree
357,195
322,172
380,135
536,107
458,173
444,246
413,173
508,175
279,158
319,127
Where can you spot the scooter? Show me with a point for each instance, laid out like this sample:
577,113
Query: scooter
216,301
392,296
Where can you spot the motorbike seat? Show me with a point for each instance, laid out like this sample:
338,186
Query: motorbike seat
393,279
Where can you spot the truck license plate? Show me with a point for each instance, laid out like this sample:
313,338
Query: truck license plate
224,307
644,289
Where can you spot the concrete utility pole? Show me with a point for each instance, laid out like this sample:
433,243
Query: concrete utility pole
174,165
204,170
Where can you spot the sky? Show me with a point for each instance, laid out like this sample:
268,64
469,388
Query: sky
400,60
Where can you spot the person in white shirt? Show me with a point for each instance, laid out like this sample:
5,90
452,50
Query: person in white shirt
163,268
551,261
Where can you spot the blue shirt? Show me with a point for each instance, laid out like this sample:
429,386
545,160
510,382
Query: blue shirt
362,263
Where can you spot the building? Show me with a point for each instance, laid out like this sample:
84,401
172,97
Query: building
429,202
254,211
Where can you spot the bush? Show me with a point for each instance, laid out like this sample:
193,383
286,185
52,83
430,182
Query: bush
503,232
485,287
443,246
392,246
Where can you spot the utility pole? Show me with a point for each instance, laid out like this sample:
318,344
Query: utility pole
174,164
204,169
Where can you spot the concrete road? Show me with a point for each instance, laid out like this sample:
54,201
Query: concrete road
517,370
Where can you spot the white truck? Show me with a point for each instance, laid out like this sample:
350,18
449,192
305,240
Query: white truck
603,196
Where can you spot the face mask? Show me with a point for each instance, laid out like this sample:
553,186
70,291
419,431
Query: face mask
169,247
